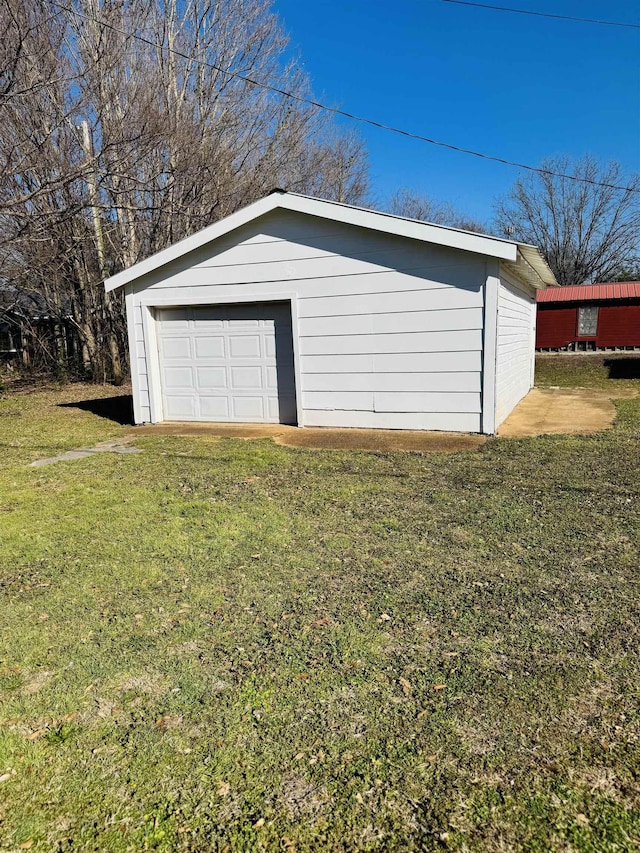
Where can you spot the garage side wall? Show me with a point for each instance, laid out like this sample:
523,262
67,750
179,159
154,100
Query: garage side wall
388,330
138,359
515,351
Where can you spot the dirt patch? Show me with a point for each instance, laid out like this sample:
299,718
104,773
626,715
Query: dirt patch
147,683
36,682
381,440
302,798
313,438
478,739
567,623
213,430
606,782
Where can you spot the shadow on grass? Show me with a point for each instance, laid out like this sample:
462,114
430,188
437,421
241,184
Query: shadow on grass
118,409
623,368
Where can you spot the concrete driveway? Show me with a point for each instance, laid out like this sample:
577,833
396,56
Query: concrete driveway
561,411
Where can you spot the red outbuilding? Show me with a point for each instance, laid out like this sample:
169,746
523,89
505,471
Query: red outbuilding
589,316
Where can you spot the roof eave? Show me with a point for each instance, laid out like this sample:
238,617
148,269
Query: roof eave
532,268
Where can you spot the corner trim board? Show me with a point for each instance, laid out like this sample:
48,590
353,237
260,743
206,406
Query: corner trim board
133,365
490,349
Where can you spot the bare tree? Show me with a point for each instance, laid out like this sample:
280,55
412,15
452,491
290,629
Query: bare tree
127,125
334,167
587,229
414,205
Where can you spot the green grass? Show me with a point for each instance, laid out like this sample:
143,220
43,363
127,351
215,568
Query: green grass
614,372
228,645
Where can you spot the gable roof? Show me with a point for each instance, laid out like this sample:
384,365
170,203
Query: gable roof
522,258
591,292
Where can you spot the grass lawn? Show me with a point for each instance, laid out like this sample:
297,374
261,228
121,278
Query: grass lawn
607,371
226,645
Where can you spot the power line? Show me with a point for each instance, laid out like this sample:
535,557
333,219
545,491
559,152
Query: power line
543,14
335,111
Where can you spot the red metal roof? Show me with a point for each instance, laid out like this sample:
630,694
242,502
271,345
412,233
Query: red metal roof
590,292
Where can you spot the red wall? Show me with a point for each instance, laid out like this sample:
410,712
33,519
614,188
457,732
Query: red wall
555,325
618,325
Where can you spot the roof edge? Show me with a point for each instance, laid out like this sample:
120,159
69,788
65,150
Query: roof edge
414,229
596,292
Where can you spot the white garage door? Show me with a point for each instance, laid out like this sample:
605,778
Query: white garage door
227,363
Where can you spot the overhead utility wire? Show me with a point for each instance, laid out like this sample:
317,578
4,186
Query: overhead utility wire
543,14
335,111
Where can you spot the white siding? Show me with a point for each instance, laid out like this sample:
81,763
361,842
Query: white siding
389,330
137,351
515,344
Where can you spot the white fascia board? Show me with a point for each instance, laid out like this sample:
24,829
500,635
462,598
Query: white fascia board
426,232
441,235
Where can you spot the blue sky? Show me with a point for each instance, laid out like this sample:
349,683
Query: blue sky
510,85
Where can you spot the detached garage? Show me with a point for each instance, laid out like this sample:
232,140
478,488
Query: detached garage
302,311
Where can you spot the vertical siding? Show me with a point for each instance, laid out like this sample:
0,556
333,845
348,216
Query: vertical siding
515,344
619,325
389,330
556,325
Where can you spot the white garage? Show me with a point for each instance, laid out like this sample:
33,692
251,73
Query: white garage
302,311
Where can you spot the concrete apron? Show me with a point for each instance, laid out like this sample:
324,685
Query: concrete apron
559,411
544,411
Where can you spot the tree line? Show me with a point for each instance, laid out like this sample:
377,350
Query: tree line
127,125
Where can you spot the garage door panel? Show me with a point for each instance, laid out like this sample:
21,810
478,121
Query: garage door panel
179,408
214,408
205,325
247,378
178,378
271,377
244,346
209,347
274,409
235,325
227,363
248,408
211,377
176,347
